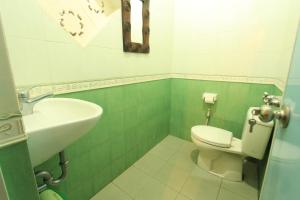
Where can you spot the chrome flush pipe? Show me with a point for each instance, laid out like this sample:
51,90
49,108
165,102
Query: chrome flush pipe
47,177
208,114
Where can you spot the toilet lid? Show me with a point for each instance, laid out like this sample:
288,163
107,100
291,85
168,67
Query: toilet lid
211,135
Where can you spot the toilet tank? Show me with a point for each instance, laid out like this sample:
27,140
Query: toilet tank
254,143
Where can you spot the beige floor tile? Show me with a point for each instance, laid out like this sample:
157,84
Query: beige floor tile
172,142
111,192
149,163
183,160
181,197
172,175
228,195
154,190
163,152
241,188
201,186
169,172
132,180
188,147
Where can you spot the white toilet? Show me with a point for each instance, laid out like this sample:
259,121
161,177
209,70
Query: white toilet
223,155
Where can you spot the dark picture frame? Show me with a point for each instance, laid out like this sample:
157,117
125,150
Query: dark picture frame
128,45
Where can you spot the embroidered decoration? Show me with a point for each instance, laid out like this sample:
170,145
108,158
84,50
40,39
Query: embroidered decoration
95,7
70,20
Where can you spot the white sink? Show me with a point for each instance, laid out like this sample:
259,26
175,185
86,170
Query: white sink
56,123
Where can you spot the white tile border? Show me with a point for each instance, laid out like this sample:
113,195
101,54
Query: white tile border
64,88
239,79
14,132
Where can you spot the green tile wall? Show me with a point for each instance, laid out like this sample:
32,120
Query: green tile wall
138,116
234,99
135,118
17,172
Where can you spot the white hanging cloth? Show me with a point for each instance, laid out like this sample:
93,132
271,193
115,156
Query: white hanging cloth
81,19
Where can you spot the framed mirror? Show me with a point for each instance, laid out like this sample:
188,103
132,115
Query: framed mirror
135,24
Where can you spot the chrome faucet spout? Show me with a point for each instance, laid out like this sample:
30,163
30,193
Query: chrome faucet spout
27,103
38,98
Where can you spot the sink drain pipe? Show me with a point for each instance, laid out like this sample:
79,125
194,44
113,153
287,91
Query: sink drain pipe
48,178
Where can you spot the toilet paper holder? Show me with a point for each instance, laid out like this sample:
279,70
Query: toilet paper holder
210,99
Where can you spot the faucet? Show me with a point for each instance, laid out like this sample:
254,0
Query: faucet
27,103
271,100
266,112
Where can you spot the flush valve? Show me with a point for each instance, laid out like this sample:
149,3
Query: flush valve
251,122
271,100
267,113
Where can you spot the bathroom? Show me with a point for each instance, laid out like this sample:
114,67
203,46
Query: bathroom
92,111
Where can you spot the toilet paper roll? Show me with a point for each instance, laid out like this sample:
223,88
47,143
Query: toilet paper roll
210,98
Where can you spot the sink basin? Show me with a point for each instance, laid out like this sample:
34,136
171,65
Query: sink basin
56,123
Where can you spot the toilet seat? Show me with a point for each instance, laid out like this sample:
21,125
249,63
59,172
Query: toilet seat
213,136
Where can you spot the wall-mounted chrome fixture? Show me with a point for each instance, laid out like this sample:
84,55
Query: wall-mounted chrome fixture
267,112
48,178
27,103
271,100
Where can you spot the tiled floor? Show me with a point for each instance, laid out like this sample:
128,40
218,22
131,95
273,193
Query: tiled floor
169,172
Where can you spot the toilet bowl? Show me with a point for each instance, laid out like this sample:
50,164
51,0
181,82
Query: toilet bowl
222,154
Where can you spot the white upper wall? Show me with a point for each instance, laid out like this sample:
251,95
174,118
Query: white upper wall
42,53
251,38
8,103
215,37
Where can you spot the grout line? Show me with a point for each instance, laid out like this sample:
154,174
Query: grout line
168,159
152,175
219,189
184,196
131,197
125,171
185,183
149,176
165,184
